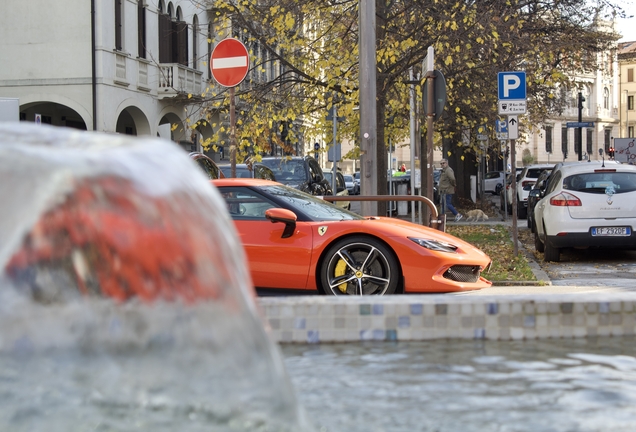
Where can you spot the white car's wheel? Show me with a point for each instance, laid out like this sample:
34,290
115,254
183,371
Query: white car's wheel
551,253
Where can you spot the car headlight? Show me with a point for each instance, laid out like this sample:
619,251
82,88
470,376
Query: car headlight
435,245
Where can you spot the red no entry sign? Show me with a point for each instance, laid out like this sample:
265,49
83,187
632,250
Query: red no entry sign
229,62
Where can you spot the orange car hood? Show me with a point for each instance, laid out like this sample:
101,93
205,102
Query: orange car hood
400,228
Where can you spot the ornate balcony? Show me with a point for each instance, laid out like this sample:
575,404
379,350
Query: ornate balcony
178,80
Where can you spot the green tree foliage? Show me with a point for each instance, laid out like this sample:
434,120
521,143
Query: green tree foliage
313,46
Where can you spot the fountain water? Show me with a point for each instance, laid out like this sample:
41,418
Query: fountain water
125,302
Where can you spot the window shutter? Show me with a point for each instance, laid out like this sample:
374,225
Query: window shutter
165,39
181,43
141,29
118,25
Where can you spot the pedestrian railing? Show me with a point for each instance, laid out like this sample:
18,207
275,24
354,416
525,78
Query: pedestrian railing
436,221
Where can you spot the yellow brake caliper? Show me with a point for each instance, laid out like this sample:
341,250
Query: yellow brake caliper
341,268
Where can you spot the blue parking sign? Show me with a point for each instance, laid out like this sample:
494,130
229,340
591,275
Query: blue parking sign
501,126
512,85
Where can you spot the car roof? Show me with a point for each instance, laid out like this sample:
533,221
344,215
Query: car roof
584,166
544,165
242,182
229,165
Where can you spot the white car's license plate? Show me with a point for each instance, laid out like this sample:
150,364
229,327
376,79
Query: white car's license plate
611,231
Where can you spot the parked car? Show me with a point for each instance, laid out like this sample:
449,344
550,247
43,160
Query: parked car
341,190
587,204
315,245
527,177
493,182
534,195
352,186
300,172
356,179
256,170
209,167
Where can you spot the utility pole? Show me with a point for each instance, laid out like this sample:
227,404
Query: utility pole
368,108
429,73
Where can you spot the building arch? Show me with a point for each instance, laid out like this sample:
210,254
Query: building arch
57,106
131,119
168,117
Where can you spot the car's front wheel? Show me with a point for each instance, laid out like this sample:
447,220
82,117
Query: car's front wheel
359,266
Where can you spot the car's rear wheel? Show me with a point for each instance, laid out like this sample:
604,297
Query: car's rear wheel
551,253
538,244
522,212
359,266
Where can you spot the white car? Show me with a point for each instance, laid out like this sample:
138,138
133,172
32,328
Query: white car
493,179
587,204
351,185
525,180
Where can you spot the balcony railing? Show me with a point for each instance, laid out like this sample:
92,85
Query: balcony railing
176,79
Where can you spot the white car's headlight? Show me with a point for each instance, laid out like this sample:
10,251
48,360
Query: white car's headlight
435,245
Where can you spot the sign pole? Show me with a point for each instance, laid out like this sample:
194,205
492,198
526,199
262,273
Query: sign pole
513,203
232,134
229,64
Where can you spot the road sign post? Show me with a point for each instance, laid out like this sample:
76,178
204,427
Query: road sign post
512,101
229,64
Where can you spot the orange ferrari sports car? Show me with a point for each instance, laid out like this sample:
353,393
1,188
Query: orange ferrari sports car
297,241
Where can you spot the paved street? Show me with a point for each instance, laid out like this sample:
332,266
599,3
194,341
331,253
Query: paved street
578,271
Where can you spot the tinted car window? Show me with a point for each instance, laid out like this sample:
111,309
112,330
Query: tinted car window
316,208
492,174
286,170
243,203
211,171
600,182
534,172
314,169
553,181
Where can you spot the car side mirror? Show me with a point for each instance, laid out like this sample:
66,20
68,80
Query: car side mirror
285,216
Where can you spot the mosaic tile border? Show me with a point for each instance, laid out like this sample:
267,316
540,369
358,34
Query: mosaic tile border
315,319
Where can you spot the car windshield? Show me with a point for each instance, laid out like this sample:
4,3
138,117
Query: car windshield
240,172
534,172
314,207
601,182
287,170
348,179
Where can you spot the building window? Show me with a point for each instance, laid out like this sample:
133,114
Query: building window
590,136
173,37
180,40
548,139
630,75
630,103
195,42
607,139
606,98
141,29
564,141
630,132
118,25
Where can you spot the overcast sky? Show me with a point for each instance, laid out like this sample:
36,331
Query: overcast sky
627,27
